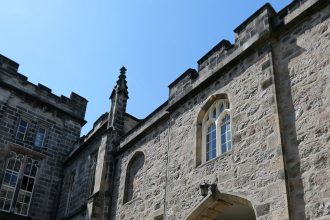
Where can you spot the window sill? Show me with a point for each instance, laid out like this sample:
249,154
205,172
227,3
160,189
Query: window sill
26,151
228,153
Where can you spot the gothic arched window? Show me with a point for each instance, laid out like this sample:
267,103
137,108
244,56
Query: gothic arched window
134,177
213,130
18,184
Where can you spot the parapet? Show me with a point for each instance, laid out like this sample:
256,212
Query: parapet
75,106
257,23
8,64
182,84
255,30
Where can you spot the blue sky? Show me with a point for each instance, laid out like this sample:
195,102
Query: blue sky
80,45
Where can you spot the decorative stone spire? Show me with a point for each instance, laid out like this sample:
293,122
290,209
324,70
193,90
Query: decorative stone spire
121,85
118,98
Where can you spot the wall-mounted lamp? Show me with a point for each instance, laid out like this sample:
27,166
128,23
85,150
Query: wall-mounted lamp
205,188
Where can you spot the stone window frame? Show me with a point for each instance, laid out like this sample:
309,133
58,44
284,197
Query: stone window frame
41,124
217,118
28,123
25,159
36,137
201,127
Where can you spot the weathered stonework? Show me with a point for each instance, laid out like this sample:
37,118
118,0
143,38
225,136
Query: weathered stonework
60,116
275,77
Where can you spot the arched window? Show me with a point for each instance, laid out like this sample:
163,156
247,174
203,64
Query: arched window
18,184
27,185
134,177
9,182
213,129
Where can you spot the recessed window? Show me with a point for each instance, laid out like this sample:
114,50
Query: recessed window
18,184
134,177
71,185
26,189
92,169
216,131
21,129
40,137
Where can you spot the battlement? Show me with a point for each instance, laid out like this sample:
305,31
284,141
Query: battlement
255,29
8,64
75,106
182,84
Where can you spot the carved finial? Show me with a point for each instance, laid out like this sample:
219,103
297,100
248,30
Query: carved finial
123,70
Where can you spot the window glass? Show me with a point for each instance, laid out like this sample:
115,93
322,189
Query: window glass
211,147
9,184
216,127
225,134
21,130
18,183
40,137
27,185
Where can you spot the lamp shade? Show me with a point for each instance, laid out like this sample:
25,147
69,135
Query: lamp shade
204,188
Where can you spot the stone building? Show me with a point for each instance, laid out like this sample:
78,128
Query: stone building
245,136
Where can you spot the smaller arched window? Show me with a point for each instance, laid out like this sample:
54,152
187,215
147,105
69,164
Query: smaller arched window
134,177
216,132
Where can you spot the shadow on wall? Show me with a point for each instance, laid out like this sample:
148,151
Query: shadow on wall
287,114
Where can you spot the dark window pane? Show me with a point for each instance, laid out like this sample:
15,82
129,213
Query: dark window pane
27,170
24,183
13,180
214,113
221,108
23,123
24,210
17,166
10,194
7,178
7,205
18,207
34,171
11,164
30,185
27,199
3,193
20,136
20,197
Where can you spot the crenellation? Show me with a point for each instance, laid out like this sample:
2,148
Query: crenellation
75,106
253,122
182,85
44,88
8,64
258,23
